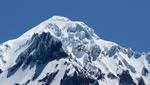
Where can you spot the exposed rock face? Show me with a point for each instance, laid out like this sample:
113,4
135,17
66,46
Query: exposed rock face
1,71
141,81
145,71
126,79
78,79
113,51
48,78
43,49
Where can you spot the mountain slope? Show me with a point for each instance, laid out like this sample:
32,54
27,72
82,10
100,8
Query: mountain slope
63,52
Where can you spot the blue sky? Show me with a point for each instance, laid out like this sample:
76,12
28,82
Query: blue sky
126,22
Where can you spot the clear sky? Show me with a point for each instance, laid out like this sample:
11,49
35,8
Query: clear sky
126,22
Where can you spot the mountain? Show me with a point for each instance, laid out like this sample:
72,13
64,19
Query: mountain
63,52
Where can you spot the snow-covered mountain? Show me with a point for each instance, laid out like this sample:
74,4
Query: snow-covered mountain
63,52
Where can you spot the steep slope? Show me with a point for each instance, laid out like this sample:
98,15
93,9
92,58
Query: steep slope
63,52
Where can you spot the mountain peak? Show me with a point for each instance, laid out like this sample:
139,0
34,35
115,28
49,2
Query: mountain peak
59,18
60,51
57,25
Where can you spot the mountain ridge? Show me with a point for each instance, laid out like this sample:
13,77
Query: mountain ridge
87,60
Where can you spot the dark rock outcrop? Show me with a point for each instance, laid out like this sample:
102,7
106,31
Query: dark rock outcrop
48,78
1,71
111,76
125,78
78,79
113,51
43,49
144,71
141,81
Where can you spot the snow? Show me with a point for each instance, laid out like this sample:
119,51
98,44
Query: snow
78,41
